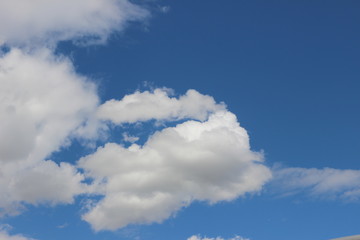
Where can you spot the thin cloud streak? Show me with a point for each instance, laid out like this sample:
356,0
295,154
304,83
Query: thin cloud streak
326,183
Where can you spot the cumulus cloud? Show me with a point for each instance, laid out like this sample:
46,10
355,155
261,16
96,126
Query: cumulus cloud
197,237
205,161
42,101
158,105
328,182
24,22
43,104
45,182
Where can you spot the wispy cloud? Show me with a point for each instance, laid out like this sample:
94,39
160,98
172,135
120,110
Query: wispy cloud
326,183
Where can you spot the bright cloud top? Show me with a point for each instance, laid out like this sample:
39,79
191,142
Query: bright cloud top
197,237
144,106
42,101
195,161
24,22
43,104
328,182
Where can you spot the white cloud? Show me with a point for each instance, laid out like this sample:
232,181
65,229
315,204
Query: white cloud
42,101
44,182
197,237
43,104
327,182
24,22
158,105
205,161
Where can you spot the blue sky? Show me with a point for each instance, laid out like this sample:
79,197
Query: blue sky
78,160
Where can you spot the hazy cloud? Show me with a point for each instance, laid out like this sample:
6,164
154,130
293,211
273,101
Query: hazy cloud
4,234
129,138
328,182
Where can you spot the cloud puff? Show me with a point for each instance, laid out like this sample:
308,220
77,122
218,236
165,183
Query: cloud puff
158,105
24,22
197,237
205,161
43,104
44,182
327,182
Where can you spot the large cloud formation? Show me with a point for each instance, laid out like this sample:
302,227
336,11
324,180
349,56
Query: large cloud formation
43,104
206,160
29,23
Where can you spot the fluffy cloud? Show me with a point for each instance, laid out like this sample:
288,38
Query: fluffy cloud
143,106
197,237
205,161
24,22
44,182
327,182
43,104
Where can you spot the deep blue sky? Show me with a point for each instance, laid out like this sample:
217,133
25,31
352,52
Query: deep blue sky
288,69
290,72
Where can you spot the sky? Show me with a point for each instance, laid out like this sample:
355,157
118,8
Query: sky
182,120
